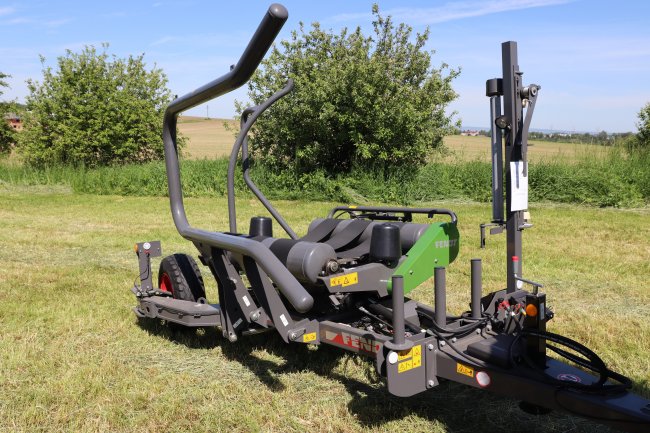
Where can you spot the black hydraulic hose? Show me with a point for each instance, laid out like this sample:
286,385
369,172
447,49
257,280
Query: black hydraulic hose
388,313
461,331
592,362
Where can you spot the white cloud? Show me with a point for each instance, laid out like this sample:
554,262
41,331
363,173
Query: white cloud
6,11
453,11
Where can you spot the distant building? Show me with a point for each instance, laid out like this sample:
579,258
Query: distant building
469,133
14,121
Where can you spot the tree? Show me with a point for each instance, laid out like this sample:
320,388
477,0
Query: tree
358,102
95,110
642,139
7,135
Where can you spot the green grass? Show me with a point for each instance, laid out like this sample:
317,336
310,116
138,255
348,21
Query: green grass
74,358
614,180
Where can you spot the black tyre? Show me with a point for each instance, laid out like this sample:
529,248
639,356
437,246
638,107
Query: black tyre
180,276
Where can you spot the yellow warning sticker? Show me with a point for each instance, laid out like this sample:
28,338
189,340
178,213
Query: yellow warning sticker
409,359
345,280
405,366
464,370
306,338
404,354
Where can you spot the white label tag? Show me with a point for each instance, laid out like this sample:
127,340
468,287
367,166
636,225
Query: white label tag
246,301
518,186
285,322
237,323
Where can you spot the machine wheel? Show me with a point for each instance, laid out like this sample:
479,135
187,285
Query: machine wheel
180,276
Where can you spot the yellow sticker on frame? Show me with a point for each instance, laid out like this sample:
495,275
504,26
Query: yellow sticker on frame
464,370
409,359
306,338
345,280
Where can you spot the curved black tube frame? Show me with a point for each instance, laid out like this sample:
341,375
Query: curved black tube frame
248,118
259,44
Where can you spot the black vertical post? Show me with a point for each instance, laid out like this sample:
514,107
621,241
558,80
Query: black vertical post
476,288
399,341
494,89
440,296
513,112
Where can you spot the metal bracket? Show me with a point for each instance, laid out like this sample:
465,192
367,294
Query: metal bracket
495,230
536,286
145,251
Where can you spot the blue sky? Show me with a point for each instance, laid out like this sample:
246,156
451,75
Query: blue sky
592,58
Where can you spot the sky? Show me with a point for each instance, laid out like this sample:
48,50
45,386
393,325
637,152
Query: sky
592,58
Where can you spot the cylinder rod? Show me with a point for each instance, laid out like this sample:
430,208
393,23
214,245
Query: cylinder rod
497,160
476,288
440,294
399,340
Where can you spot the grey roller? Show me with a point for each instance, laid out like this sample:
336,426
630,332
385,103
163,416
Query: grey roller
410,233
306,260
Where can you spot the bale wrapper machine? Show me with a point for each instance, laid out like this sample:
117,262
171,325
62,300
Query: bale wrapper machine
344,283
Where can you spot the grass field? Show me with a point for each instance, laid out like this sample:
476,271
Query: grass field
208,138
471,148
74,358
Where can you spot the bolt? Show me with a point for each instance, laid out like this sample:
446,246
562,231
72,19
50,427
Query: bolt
332,266
429,346
430,384
232,337
489,327
255,316
454,339
442,344
478,331
293,335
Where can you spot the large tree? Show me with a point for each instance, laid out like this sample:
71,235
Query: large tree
95,109
372,102
7,135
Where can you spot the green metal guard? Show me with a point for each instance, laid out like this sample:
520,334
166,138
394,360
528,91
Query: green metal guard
438,246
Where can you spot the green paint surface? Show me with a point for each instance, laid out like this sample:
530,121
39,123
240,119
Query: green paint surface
438,246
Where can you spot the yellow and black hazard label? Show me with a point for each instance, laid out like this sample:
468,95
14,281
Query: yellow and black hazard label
464,370
306,338
345,280
409,359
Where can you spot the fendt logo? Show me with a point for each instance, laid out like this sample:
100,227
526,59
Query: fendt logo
361,344
446,244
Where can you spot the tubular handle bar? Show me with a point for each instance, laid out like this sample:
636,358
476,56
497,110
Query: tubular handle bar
406,211
259,44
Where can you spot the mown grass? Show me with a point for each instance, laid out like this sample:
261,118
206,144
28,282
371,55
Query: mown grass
74,358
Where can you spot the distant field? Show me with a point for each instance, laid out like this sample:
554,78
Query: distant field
471,148
208,138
